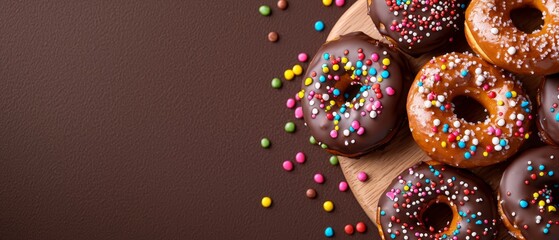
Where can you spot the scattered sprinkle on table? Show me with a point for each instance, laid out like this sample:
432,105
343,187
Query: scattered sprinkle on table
300,157
299,112
273,36
290,127
349,229
297,70
334,160
290,103
329,232
327,3
282,4
288,74
302,57
265,10
328,206
276,83
362,176
361,227
265,143
266,202
312,140
319,26
287,166
343,186
318,178
311,193
340,3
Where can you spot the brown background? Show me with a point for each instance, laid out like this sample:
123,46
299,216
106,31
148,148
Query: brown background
142,120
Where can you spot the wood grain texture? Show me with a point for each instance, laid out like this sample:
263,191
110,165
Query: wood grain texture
384,165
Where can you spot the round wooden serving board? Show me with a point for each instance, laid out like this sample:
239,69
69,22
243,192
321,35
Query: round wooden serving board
384,165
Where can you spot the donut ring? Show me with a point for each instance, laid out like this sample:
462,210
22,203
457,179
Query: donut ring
491,33
548,110
455,141
402,207
354,123
527,194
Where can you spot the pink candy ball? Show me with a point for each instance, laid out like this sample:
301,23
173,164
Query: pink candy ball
299,112
290,103
340,3
318,178
287,166
302,57
362,176
343,186
300,157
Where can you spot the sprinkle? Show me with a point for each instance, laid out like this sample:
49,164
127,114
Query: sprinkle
328,206
494,31
282,4
386,61
333,160
361,227
348,229
523,204
318,178
311,193
327,3
312,140
265,143
276,83
290,103
299,112
288,74
266,202
362,176
273,36
343,186
265,10
511,50
287,166
297,69
390,91
302,57
300,157
290,127
329,232
340,3
319,26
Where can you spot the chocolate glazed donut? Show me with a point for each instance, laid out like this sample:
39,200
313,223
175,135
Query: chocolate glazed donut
548,112
528,194
418,27
419,192
353,95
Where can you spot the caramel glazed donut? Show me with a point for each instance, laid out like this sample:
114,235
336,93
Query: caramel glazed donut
453,140
418,27
491,33
353,94
548,110
528,194
404,208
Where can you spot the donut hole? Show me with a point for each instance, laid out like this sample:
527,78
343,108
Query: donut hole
469,109
527,19
437,217
349,90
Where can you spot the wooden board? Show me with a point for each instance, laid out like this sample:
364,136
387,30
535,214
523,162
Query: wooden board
402,152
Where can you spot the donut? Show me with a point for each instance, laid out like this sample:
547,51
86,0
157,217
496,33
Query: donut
491,33
353,94
418,27
528,194
447,138
548,110
424,190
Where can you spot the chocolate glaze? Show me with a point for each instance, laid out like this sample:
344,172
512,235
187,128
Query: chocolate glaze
520,181
432,25
409,196
378,118
452,140
548,111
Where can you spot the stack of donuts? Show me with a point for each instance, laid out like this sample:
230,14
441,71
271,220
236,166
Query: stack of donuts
358,92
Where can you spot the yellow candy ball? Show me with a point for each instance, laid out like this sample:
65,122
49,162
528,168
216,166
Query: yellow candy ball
288,74
297,69
266,202
386,61
328,206
327,3
308,81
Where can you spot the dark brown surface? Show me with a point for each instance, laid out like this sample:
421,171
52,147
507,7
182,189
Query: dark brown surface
142,120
